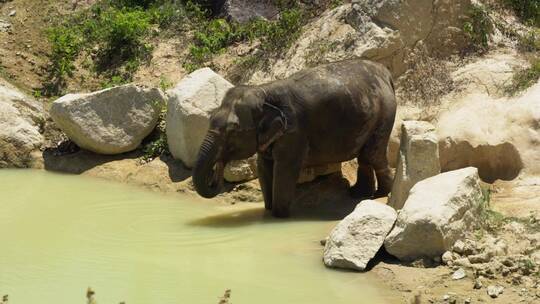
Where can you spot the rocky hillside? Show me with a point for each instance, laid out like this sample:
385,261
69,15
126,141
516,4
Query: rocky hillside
122,89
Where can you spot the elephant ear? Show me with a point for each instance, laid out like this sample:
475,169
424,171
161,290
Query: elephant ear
241,117
272,126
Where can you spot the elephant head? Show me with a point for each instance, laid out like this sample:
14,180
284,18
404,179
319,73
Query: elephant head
247,121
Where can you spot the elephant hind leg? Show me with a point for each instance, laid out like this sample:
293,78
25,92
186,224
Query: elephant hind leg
374,154
365,182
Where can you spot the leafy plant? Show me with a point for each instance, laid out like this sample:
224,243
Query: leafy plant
282,33
113,33
525,78
479,27
133,3
122,35
157,144
527,10
113,82
530,42
213,36
164,83
66,44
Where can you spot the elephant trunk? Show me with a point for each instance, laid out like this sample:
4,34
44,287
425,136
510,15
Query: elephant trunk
208,170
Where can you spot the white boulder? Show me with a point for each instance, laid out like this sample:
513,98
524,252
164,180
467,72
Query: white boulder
20,117
439,211
358,237
190,103
110,121
418,159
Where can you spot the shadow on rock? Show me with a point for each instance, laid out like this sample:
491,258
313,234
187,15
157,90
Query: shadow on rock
177,171
80,161
501,161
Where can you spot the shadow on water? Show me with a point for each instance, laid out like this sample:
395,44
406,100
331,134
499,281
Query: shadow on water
325,199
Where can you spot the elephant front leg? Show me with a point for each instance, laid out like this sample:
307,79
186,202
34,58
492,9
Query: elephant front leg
265,172
286,174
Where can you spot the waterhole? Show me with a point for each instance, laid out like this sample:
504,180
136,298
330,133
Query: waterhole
60,234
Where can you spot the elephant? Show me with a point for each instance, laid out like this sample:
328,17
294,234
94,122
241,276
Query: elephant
327,114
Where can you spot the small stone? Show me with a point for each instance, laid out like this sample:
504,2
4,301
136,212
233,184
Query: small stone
459,274
479,258
516,279
447,257
478,283
323,242
446,297
12,13
459,247
494,290
464,262
467,301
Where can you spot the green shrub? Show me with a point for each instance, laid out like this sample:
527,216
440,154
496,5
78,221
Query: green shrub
281,34
527,10
168,15
66,44
479,27
124,32
212,39
157,144
164,83
112,35
525,78
530,42
213,36
113,82
133,3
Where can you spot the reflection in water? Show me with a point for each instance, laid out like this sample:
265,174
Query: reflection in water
61,234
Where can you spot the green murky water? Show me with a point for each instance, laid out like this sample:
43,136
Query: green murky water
60,234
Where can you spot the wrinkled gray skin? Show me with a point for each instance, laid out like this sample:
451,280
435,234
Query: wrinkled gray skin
328,114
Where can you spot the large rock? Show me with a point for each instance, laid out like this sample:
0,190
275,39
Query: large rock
20,119
190,103
418,159
439,211
358,237
110,121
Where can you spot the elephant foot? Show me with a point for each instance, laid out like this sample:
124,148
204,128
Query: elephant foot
361,192
381,193
280,212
